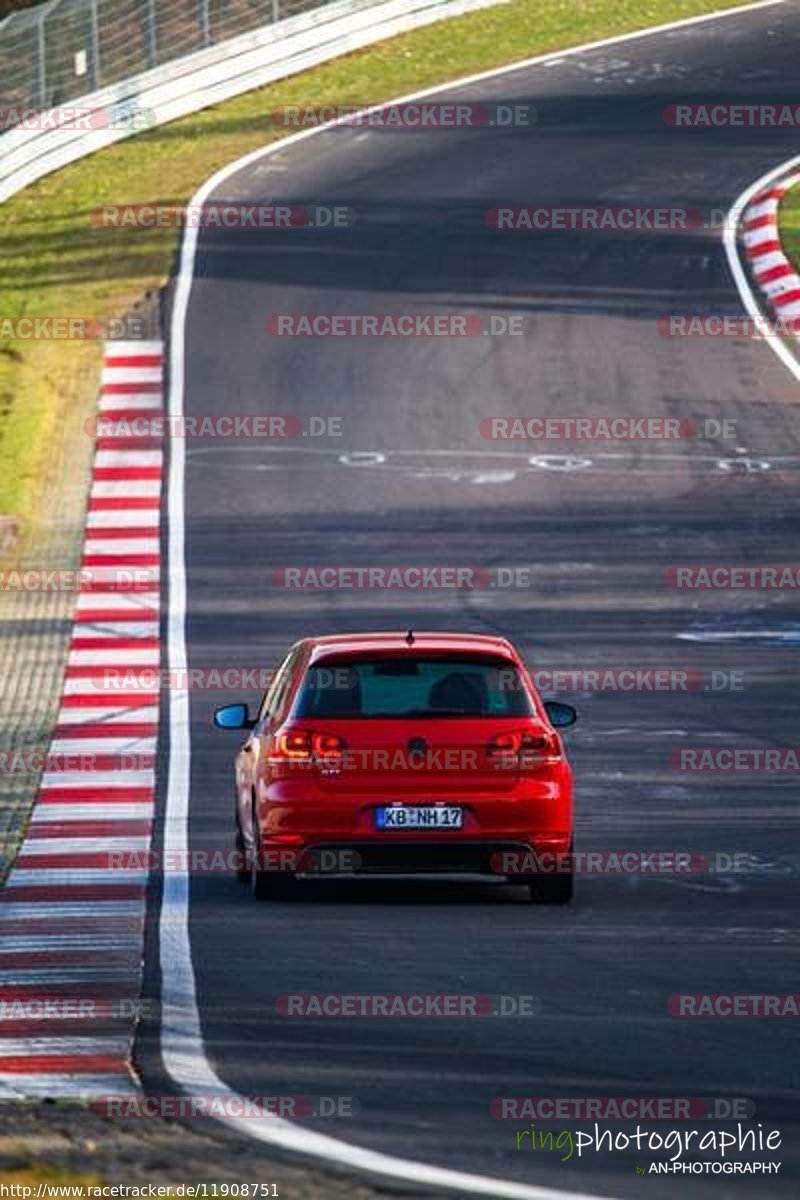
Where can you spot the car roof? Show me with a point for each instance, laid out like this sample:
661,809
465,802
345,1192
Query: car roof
396,642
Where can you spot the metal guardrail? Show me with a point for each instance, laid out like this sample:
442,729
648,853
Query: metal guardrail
65,49
208,76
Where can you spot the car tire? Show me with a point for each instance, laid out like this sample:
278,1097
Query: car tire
268,885
242,869
558,888
553,889
271,885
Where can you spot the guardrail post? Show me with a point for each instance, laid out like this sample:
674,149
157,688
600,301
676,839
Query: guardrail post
152,36
41,51
95,48
276,10
204,25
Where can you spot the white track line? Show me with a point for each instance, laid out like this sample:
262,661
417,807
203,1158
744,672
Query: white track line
182,1048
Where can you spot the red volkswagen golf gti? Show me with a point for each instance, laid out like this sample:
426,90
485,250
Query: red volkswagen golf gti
399,753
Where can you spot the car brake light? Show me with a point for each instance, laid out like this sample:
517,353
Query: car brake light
294,745
523,749
303,747
328,749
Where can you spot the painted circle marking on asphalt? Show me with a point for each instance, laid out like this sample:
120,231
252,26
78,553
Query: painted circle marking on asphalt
493,477
362,458
749,466
559,462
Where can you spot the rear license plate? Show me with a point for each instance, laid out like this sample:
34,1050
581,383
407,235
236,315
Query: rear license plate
419,817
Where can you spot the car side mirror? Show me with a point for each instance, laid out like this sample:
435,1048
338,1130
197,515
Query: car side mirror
560,714
233,716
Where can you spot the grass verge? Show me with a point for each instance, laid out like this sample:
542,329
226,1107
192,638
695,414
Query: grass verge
57,264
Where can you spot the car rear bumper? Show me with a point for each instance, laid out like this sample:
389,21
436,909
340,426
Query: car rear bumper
405,855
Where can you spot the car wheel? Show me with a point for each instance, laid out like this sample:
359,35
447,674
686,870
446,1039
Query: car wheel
268,885
242,869
552,889
558,888
271,885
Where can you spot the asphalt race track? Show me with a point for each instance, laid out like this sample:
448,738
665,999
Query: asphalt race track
598,539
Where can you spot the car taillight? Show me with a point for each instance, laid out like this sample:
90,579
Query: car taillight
521,749
328,749
303,747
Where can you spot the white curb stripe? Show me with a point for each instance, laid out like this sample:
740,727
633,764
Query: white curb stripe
129,458
49,814
120,518
147,714
132,374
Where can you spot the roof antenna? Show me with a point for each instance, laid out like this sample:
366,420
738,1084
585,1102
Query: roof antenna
410,638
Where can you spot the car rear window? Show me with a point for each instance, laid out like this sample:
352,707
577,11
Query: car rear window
416,686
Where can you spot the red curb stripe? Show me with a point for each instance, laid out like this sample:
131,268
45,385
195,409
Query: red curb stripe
61,1064
107,729
139,794
121,560
91,860
123,443
67,958
149,387
106,616
114,643
752,223
774,193
112,533
115,473
76,893
785,298
762,248
44,831
117,503
133,360
766,275
104,700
